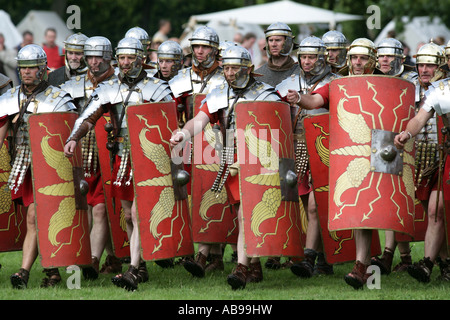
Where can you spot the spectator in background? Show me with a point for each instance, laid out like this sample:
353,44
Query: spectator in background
248,42
440,41
55,54
27,38
408,59
238,38
262,49
8,63
162,34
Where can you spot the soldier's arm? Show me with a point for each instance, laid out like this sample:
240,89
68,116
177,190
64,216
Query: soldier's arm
190,129
3,129
413,127
311,101
305,101
83,125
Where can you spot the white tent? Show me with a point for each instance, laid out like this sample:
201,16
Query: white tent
279,11
12,36
38,21
417,30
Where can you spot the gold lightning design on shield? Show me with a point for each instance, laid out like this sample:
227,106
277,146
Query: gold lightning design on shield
358,169
64,217
268,207
164,208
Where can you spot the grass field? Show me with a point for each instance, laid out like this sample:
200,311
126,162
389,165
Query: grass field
177,284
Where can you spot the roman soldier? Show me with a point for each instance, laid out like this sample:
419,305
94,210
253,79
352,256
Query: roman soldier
391,62
279,67
34,95
97,56
132,86
204,75
315,73
431,92
219,107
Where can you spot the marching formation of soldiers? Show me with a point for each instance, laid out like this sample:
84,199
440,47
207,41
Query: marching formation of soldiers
134,119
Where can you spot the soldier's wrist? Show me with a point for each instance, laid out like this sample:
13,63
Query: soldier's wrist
410,136
299,98
183,134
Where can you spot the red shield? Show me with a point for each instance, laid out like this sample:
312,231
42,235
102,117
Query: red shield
372,184
116,217
63,231
213,218
12,218
161,198
268,190
339,246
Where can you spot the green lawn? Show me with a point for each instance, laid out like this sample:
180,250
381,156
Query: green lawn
178,284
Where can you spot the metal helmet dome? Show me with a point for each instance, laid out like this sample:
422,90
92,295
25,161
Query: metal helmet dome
98,46
140,34
31,55
75,42
430,53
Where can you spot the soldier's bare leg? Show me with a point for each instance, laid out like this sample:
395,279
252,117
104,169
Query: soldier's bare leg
435,234
30,249
137,271
357,278
19,280
434,239
238,278
99,231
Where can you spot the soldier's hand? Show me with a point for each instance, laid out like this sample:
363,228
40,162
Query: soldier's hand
69,148
176,138
401,139
292,97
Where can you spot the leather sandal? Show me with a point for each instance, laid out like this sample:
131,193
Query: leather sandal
91,272
142,272
255,273
238,278
128,280
273,263
421,271
52,279
112,265
215,264
19,280
405,262
196,267
384,262
358,277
